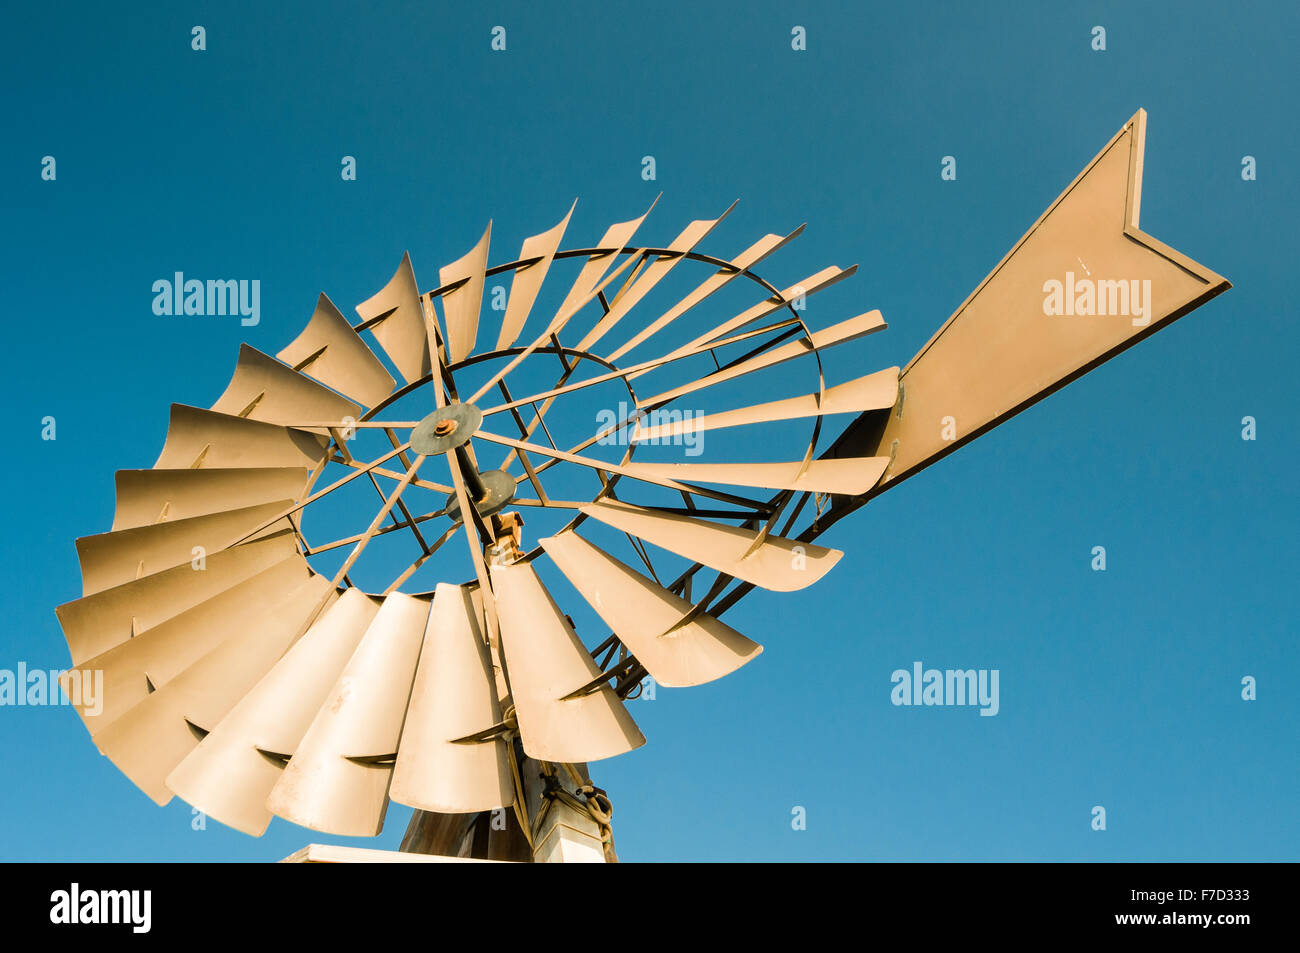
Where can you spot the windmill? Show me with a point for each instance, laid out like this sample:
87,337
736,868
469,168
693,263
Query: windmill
247,671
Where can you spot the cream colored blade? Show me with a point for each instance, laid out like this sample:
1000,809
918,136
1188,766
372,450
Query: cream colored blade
751,256
231,773
874,392
98,622
399,322
454,696
546,661
616,237
654,272
462,305
152,738
145,497
646,617
527,281
804,289
202,438
111,559
264,389
337,780
849,476
134,668
841,333
782,565
334,354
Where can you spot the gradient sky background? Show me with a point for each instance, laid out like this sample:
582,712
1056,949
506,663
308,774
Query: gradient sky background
1119,689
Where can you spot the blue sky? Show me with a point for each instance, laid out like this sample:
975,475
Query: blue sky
1119,689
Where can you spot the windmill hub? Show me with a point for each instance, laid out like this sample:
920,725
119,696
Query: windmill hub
489,491
446,429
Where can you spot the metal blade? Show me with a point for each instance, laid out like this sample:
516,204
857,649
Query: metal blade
806,288
546,661
454,696
398,324
134,668
849,476
264,389
527,280
202,438
779,564
751,256
232,771
145,497
337,780
148,741
462,305
334,354
841,333
616,237
874,392
646,616
121,556
655,272
96,623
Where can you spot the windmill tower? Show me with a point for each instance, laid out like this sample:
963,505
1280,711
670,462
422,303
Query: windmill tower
248,671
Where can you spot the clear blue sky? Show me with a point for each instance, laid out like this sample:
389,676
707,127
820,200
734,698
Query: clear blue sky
1119,689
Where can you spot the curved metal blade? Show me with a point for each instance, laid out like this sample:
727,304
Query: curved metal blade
203,438
462,304
145,497
616,237
841,333
848,476
646,617
654,272
334,354
152,738
782,565
337,780
96,623
399,322
264,389
876,391
124,555
809,286
454,696
527,280
232,771
135,668
546,662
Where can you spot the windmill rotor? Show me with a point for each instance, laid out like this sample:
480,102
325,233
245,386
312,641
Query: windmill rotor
254,683
255,670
